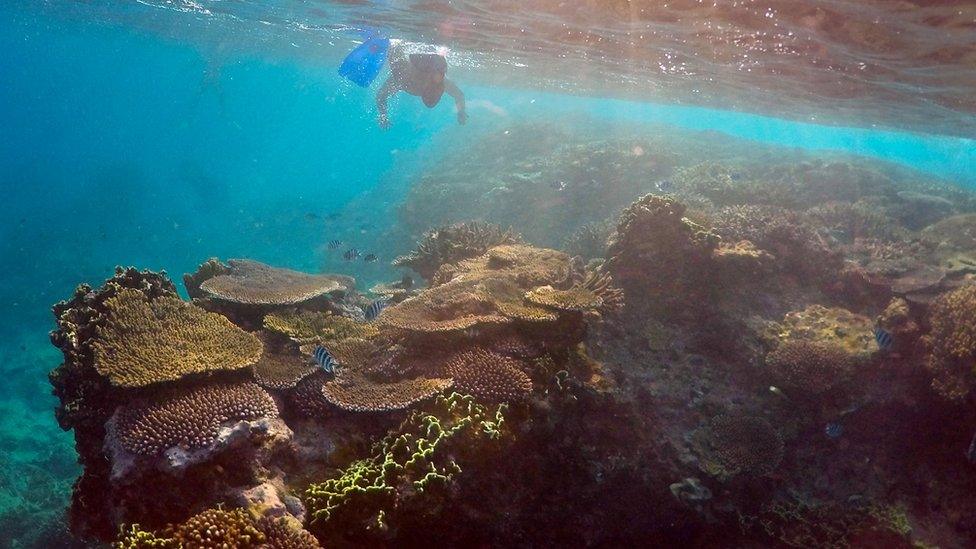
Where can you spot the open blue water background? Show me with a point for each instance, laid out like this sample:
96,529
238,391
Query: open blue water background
118,146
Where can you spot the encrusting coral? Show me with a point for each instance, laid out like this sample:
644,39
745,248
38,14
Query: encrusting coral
454,243
423,454
143,342
189,420
834,325
253,283
729,445
489,376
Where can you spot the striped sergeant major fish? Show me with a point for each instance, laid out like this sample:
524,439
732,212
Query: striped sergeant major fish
334,244
369,258
325,360
375,308
883,338
351,253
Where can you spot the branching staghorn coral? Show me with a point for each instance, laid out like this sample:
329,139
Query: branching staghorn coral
454,243
423,454
143,342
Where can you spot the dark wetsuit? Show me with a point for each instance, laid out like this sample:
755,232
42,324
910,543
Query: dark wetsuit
405,76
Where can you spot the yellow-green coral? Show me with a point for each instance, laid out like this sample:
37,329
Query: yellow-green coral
408,463
137,538
309,326
143,342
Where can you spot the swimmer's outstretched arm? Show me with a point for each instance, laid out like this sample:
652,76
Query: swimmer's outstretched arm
458,96
389,88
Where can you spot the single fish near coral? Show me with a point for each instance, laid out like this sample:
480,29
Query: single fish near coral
350,254
335,244
375,308
558,185
369,258
325,360
834,429
971,451
883,338
665,185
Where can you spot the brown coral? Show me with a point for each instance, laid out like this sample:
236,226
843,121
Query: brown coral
489,376
254,283
280,366
218,528
191,419
286,533
353,391
454,243
308,326
833,325
729,445
657,254
144,342
576,298
809,367
307,398
953,341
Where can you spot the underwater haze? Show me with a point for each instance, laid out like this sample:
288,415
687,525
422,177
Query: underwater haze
688,274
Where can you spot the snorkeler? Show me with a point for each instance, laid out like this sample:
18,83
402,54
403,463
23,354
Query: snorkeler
419,74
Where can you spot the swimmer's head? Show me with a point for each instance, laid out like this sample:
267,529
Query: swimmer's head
430,69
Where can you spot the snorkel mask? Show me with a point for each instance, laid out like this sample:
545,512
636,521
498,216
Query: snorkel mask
433,67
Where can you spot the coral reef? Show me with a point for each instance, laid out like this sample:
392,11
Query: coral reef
233,529
850,331
731,445
142,342
454,243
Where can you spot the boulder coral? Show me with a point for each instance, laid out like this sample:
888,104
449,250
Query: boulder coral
809,368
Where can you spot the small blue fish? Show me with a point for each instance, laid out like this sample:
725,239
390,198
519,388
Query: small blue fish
883,338
558,185
325,360
369,258
375,308
665,185
334,244
834,429
350,254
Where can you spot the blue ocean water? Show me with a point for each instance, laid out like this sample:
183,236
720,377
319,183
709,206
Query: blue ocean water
119,145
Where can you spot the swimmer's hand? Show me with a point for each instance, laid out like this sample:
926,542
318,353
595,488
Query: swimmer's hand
384,121
462,117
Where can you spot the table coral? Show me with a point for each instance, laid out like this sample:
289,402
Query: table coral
729,445
355,392
309,326
253,283
454,243
189,420
280,366
143,342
